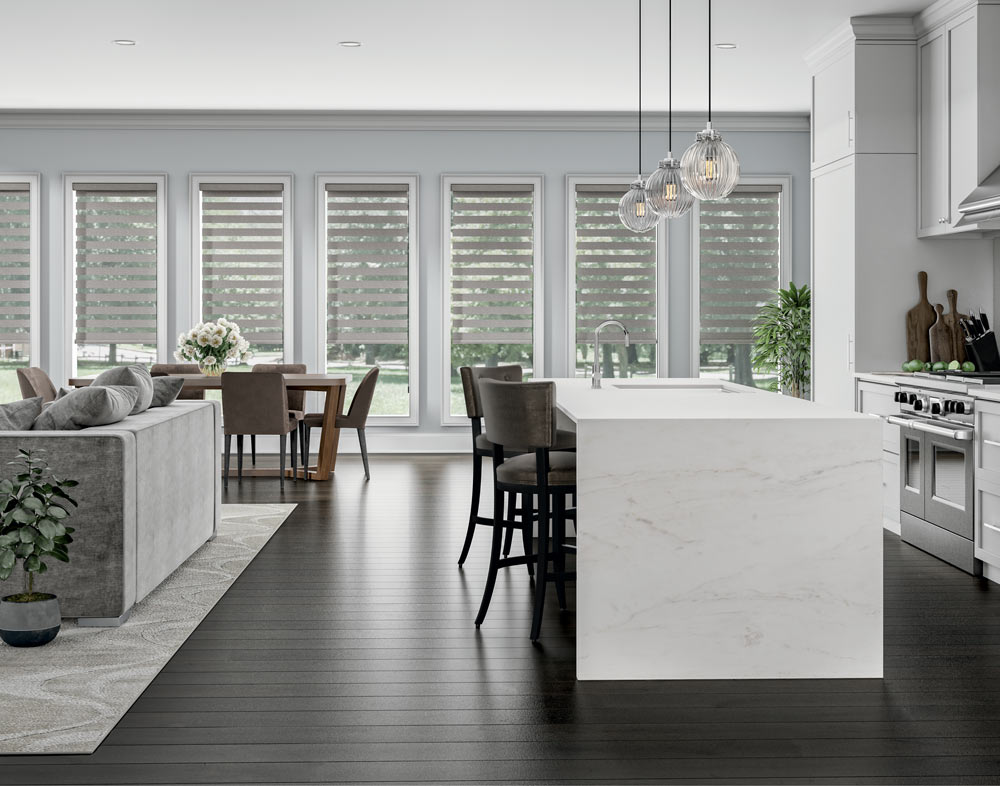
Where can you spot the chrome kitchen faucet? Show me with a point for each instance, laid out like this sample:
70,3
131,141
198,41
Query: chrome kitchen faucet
595,375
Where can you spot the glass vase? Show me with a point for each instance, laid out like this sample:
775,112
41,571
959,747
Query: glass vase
214,370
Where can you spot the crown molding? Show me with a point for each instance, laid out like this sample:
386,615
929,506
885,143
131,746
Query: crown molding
398,121
944,11
861,30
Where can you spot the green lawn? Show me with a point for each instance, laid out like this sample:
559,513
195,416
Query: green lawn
392,391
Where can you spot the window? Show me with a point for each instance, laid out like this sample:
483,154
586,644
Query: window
19,304
739,266
117,227
244,259
369,286
618,274
493,278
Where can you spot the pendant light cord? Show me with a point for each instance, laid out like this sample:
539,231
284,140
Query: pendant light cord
670,78
709,61
639,141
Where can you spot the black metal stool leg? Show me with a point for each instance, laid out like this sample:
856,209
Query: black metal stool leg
527,511
558,552
294,434
253,450
541,574
477,484
491,578
509,539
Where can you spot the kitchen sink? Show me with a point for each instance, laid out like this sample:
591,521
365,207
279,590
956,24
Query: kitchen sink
686,387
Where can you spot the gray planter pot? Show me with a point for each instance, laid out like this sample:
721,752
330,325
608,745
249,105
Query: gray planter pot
29,624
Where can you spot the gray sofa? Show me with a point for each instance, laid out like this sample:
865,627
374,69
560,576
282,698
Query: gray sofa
149,497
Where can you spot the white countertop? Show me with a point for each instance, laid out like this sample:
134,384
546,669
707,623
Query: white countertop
682,399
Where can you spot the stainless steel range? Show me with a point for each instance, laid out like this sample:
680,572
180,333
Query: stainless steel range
937,466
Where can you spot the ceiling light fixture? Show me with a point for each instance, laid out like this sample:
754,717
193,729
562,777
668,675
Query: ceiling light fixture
634,209
725,46
349,44
710,167
123,42
665,186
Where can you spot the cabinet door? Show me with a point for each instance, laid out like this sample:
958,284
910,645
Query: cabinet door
833,112
964,115
933,157
890,490
879,400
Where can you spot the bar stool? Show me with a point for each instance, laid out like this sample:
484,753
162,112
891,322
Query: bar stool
523,414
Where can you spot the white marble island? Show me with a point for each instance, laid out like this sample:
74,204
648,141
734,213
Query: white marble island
724,533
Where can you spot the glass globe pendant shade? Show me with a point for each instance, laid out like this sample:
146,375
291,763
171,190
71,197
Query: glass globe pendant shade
634,209
710,167
665,189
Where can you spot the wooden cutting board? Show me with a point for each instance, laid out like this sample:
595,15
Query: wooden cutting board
940,336
951,320
919,320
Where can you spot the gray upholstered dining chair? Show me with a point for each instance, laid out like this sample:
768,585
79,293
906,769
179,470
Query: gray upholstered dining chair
166,369
296,398
257,404
523,414
356,417
35,382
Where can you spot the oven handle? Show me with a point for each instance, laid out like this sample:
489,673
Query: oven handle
961,434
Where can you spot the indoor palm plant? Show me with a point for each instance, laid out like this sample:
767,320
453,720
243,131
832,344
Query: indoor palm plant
781,340
32,526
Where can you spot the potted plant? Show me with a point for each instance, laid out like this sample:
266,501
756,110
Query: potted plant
32,526
781,340
212,345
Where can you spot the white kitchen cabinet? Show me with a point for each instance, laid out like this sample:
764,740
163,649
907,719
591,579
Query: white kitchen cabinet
833,116
933,159
876,399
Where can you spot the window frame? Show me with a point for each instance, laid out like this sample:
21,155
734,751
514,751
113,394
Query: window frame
784,254
662,239
537,277
33,179
69,252
412,182
288,250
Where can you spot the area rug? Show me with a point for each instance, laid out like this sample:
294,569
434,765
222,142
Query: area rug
66,696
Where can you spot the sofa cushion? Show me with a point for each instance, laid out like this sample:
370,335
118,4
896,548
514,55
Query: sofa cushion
97,405
133,376
165,390
19,415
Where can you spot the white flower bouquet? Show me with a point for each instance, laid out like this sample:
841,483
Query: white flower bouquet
212,345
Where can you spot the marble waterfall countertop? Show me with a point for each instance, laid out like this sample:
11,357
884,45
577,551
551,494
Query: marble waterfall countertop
723,533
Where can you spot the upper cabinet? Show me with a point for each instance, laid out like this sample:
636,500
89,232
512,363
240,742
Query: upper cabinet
959,82
833,112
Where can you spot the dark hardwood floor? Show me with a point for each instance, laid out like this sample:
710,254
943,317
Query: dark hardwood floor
346,653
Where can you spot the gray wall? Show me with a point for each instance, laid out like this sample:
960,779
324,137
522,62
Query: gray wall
577,148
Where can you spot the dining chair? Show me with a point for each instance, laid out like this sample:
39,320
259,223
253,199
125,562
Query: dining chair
296,398
356,417
169,369
34,382
257,404
523,414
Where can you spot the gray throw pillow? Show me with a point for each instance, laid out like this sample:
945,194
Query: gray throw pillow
91,406
19,415
166,390
134,376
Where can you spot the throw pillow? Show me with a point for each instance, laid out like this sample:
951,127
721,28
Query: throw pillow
19,415
134,376
166,390
91,406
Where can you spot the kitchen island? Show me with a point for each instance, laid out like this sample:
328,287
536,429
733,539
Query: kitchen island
723,533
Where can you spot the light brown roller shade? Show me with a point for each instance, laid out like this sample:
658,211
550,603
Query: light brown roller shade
615,268
368,263
492,264
116,271
243,257
15,263
740,254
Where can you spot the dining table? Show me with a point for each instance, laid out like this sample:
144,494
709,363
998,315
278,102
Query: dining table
334,388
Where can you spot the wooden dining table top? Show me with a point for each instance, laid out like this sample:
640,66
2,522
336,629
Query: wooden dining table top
292,381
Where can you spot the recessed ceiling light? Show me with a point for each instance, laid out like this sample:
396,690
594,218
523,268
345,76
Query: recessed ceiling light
350,44
725,46
123,42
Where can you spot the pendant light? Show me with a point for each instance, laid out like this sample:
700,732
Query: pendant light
667,194
710,167
634,209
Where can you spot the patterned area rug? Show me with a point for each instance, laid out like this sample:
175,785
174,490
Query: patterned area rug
66,696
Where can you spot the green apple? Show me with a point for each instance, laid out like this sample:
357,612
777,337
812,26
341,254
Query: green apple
968,365
954,365
939,366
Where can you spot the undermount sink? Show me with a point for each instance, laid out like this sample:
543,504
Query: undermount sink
687,387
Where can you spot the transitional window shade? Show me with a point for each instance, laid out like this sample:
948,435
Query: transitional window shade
243,258
15,263
615,268
492,263
116,263
740,253
368,263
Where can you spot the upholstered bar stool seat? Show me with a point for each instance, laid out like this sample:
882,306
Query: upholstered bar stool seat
565,440
523,470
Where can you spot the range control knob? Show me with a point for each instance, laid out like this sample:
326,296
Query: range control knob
899,396
913,398
959,407
935,408
917,403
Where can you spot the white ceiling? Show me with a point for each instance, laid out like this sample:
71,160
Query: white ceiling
422,55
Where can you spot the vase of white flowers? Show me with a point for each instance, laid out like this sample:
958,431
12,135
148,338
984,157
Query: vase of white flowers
212,345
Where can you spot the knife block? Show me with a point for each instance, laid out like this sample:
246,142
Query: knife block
984,352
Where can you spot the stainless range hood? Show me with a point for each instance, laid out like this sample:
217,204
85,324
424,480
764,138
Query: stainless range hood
983,204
